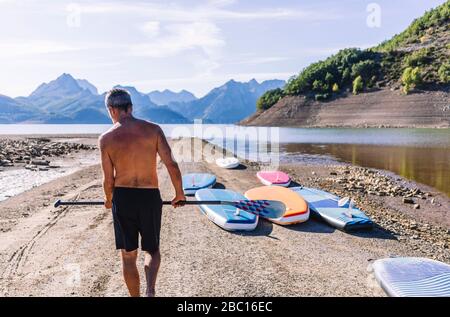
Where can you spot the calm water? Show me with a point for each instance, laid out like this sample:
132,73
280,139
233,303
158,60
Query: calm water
422,155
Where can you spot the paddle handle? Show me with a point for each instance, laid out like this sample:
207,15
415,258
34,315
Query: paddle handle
101,203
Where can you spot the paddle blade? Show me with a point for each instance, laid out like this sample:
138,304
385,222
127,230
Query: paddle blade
265,208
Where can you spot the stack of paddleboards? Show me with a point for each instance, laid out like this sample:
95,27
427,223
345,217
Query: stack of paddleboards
326,206
226,216
413,277
196,181
274,178
227,162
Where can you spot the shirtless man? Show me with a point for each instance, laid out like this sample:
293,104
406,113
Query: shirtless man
130,184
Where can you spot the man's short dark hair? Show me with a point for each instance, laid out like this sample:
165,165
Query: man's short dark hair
118,98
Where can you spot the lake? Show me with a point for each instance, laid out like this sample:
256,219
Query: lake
422,155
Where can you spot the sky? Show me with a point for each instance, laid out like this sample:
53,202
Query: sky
184,44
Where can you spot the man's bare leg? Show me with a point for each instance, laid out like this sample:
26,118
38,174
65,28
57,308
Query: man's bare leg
130,272
152,261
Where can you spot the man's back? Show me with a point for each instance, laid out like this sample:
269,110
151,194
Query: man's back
132,146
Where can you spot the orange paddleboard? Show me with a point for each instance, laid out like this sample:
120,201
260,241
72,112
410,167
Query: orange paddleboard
296,207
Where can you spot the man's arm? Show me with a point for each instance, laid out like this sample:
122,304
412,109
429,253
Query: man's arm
108,174
165,153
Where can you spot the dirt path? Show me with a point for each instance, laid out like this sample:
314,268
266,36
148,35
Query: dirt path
70,251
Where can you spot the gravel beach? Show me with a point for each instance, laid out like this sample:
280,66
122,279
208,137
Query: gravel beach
70,251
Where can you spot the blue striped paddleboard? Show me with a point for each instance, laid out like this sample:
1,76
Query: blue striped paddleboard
226,216
325,205
413,277
195,181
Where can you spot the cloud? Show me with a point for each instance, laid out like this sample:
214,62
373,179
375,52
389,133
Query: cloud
258,60
151,28
181,37
29,48
221,3
176,13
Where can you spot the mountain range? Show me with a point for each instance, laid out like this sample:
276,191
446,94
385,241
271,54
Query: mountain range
70,100
167,96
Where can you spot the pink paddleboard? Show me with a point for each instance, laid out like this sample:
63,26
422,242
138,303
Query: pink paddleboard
274,178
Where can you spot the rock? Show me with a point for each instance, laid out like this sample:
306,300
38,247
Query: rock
43,169
408,200
416,206
333,173
40,162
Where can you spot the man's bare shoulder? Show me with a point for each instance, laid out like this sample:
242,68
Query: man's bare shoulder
104,138
150,127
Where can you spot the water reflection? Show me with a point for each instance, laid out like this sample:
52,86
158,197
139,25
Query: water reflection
428,165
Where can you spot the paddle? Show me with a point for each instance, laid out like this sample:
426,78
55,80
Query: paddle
266,208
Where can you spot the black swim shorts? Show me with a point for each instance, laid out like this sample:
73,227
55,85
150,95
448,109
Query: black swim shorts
137,211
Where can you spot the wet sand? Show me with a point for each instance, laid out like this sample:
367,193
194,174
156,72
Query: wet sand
70,251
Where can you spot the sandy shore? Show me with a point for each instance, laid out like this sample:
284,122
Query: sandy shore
70,251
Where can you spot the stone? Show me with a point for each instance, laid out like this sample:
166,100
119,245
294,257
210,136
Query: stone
40,162
408,200
416,206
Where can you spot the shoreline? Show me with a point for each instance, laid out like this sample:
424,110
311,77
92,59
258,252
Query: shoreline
28,162
378,108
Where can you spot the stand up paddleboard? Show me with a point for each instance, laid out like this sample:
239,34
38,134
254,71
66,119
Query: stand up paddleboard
226,216
325,205
195,181
274,178
227,162
413,277
296,207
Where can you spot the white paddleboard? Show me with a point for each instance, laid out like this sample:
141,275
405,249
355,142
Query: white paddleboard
227,162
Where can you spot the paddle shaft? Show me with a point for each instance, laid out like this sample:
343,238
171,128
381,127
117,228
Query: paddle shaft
101,203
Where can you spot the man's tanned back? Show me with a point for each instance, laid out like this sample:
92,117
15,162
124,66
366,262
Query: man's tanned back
132,147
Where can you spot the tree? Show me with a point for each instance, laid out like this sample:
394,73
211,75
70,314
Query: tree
319,86
366,69
444,73
346,76
357,85
269,98
335,87
411,78
329,78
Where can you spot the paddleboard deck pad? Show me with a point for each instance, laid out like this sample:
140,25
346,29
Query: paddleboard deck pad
413,277
296,207
274,178
226,216
195,181
325,205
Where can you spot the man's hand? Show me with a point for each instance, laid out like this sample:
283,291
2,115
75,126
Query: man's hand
178,201
108,204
